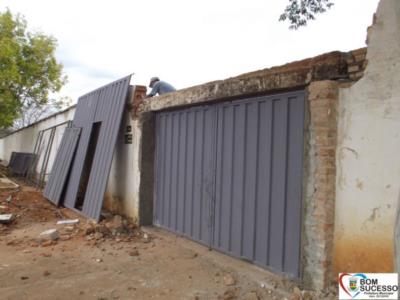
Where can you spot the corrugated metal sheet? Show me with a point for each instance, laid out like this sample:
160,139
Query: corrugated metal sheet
62,164
104,105
242,167
259,179
184,171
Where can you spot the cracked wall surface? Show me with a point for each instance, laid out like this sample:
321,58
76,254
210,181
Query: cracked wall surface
368,160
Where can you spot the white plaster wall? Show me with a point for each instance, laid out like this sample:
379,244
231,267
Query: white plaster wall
368,153
24,139
123,185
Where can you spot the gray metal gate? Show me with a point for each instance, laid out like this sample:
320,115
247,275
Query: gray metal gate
234,171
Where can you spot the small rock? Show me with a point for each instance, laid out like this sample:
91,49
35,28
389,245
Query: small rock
251,296
134,253
45,254
98,235
89,230
297,291
114,294
46,273
99,260
307,295
295,297
51,234
24,277
229,280
48,243
229,295
69,228
146,238
65,237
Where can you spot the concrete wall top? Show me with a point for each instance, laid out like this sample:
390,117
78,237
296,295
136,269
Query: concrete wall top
329,66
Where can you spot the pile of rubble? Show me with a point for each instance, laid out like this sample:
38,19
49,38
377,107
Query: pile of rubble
115,228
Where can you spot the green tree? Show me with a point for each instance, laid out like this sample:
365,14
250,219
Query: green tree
29,71
299,12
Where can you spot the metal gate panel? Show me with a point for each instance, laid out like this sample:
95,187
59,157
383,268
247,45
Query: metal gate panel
184,180
230,175
62,164
258,181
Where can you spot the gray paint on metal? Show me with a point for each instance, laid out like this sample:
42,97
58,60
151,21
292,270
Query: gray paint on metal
104,105
184,162
235,169
62,164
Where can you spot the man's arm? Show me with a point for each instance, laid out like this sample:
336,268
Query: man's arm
154,90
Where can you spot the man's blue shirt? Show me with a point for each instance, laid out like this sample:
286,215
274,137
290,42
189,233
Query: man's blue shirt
161,87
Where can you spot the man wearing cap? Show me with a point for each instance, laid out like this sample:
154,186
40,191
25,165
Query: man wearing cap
159,87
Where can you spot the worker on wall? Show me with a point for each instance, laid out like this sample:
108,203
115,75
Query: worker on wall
159,87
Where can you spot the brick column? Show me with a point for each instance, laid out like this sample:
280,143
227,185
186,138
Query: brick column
320,179
137,94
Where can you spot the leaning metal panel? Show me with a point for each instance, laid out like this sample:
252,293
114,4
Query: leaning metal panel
62,164
104,105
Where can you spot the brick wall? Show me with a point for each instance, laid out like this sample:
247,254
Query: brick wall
319,198
356,63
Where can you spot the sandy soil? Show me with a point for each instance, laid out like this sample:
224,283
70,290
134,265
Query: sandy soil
99,262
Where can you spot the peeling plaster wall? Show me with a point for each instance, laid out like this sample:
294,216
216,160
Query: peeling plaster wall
368,153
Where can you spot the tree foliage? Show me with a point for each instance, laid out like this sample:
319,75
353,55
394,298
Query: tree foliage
29,71
299,12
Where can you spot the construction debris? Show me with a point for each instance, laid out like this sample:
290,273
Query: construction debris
51,234
6,218
7,184
68,222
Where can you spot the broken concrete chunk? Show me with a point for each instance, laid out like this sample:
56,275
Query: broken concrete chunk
5,218
229,280
146,238
68,222
51,234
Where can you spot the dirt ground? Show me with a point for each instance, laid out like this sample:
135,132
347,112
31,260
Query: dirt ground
116,260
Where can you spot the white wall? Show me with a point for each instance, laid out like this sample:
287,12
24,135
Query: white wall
368,153
122,195
24,139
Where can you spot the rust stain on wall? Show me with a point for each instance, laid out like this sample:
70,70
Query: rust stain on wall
372,255
113,204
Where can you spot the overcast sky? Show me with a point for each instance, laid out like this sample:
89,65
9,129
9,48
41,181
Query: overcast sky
184,42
